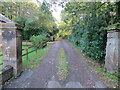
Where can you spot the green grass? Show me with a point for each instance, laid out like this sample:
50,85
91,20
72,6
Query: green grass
34,58
62,65
24,51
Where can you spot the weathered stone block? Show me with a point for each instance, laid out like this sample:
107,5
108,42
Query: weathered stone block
6,74
112,51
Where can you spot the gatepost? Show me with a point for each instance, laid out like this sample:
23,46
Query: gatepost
112,50
11,45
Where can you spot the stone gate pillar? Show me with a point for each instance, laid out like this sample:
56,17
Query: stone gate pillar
112,50
11,45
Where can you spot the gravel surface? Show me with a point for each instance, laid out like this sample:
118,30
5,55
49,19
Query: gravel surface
44,76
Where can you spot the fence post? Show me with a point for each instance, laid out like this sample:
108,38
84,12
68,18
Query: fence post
27,54
26,42
36,50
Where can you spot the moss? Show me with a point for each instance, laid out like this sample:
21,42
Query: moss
110,76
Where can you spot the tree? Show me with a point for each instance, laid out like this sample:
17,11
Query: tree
34,19
16,9
87,21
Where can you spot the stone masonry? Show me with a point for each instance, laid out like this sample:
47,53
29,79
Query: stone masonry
112,51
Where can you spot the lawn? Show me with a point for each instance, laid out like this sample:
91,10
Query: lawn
33,58
24,51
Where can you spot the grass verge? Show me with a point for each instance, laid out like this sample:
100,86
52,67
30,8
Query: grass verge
111,81
34,58
62,65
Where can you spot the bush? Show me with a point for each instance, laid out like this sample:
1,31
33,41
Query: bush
90,38
33,28
40,40
30,27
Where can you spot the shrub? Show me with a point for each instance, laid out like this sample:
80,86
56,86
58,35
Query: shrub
40,40
30,27
90,38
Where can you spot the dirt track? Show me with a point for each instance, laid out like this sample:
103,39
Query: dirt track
45,75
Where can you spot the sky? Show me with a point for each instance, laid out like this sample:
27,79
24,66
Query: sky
56,10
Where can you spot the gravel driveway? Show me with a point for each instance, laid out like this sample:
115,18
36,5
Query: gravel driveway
44,76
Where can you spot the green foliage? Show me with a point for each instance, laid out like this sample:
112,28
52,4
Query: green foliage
111,76
40,40
35,20
86,21
20,20
114,26
30,27
34,59
15,9
33,28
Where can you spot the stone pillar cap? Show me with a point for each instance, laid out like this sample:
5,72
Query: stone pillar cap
8,24
4,19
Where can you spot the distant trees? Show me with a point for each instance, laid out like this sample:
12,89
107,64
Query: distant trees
16,9
35,20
